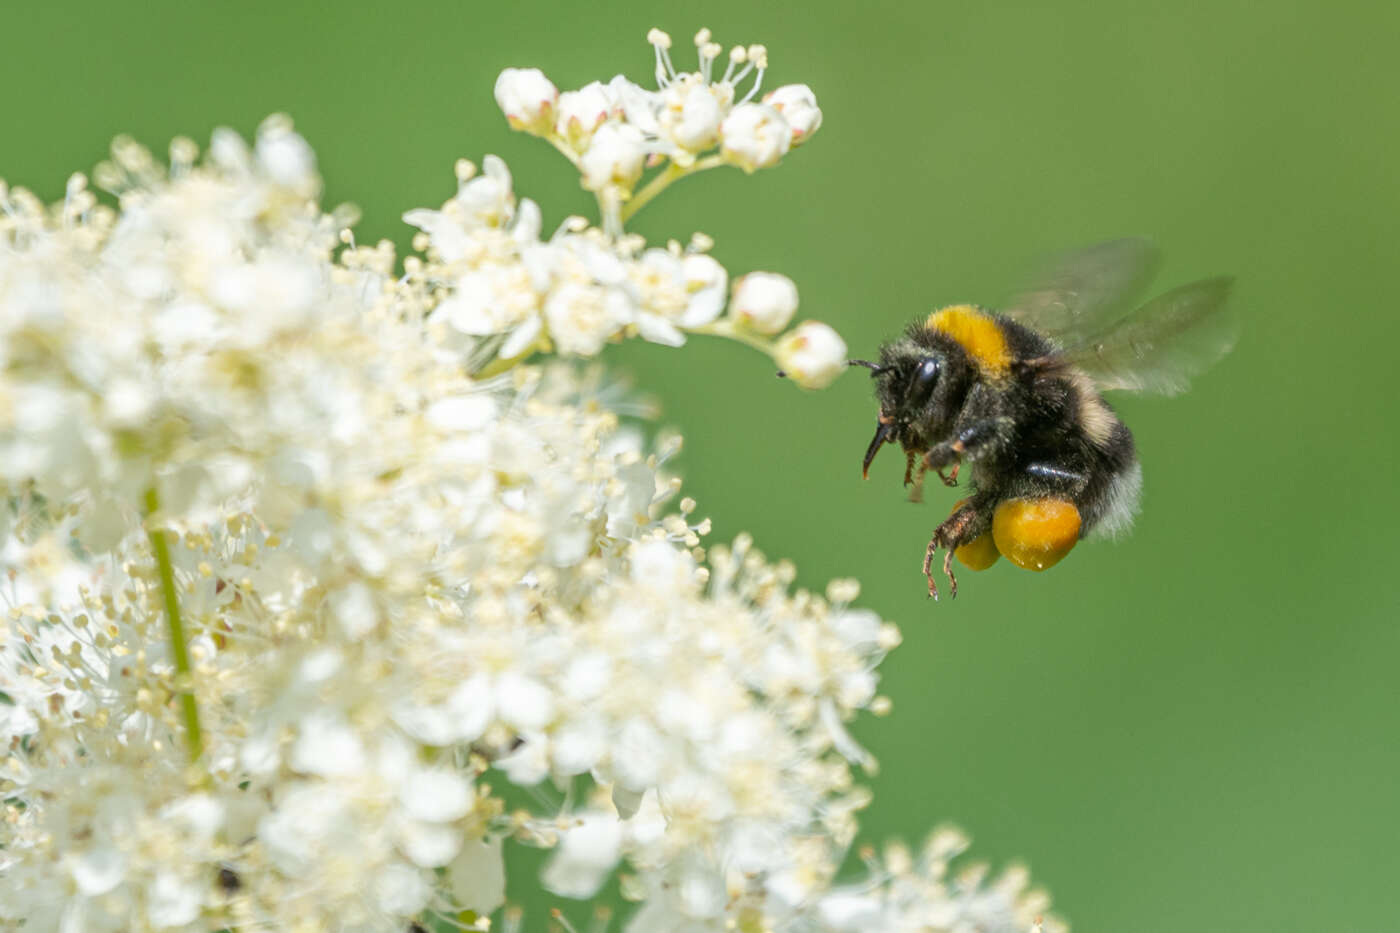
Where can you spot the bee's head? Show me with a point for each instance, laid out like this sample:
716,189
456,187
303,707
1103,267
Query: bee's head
911,386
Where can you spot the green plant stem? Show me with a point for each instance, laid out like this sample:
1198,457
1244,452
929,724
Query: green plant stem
663,181
724,328
564,148
652,188
178,648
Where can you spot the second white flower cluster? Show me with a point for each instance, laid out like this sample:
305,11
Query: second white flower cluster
613,131
509,293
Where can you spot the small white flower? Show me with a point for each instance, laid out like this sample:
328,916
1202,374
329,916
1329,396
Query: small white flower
286,158
523,702
527,98
578,746
615,156
173,901
754,136
97,871
528,764
691,112
435,796
638,105
813,355
583,111
353,607
477,876
582,318
585,855
846,909
327,746
488,199
798,105
402,891
764,302
490,300
428,845
705,282
309,818
674,293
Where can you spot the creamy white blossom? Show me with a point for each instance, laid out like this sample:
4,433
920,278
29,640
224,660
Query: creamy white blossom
755,136
311,577
798,105
813,355
527,98
615,156
765,301
583,111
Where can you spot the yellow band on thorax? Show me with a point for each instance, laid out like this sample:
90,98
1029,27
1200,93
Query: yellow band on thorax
976,333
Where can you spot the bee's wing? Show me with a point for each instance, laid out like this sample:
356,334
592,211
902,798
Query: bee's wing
1163,344
1079,293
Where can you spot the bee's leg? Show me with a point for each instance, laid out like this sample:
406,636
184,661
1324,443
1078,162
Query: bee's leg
928,565
952,478
971,442
959,528
911,479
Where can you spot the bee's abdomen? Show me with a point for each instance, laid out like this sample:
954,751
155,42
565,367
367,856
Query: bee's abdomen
1110,498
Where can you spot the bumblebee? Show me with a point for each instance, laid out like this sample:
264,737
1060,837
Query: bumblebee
1015,395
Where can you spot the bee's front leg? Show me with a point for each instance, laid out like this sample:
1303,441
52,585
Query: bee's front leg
971,441
943,455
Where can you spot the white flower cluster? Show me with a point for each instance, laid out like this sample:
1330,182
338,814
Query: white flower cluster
506,294
308,615
613,131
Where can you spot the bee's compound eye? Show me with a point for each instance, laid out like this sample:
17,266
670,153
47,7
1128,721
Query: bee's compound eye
922,383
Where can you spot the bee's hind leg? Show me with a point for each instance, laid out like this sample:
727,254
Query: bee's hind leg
957,529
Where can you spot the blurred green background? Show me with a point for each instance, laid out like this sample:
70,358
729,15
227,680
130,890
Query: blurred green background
1194,729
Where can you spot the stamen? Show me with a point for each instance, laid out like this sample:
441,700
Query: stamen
757,83
72,192
758,56
558,917
665,71
183,152
602,917
736,57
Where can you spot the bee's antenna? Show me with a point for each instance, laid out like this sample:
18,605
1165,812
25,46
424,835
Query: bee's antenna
875,368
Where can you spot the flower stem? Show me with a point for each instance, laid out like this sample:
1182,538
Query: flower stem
654,187
609,209
564,148
724,328
183,675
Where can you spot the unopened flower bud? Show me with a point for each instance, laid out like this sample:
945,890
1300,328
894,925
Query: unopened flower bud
754,136
812,355
691,114
798,105
583,111
527,98
614,157
764,301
